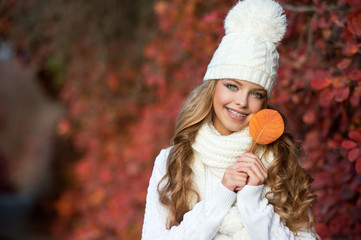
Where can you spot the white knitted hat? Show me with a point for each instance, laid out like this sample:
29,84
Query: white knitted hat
248,50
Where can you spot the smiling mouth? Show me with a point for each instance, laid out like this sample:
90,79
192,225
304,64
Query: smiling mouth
236,113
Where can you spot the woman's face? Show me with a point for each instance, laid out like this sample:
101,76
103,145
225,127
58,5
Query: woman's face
234,103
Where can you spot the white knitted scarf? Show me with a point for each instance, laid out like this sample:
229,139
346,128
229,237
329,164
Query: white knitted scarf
214,152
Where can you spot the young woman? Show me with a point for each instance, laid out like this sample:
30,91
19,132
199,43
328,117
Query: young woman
208,185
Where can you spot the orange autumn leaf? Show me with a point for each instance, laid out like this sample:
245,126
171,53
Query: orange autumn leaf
266,126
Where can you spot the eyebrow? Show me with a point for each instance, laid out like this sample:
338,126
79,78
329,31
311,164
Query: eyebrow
239,83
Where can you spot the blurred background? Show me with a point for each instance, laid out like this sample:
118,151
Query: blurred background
89,92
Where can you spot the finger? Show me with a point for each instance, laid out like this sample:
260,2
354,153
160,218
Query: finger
261,172
247,154
232,178
241,183
238,175
254,163
248,157
254,177
241,172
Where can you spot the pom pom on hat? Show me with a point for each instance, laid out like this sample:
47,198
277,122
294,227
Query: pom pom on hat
248,51
261,18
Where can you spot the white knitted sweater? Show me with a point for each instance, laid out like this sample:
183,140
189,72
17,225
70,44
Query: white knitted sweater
213,153
221,214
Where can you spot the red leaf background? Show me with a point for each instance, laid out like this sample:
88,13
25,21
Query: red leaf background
122,99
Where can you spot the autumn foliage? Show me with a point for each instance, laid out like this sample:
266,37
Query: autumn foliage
121,112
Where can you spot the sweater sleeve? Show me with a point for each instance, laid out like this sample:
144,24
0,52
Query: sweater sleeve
200,223
260,220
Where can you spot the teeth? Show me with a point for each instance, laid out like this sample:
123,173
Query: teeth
236,113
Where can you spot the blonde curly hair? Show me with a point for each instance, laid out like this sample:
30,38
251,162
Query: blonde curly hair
288,181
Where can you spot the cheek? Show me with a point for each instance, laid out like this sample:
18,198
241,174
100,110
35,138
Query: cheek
256,105
219,98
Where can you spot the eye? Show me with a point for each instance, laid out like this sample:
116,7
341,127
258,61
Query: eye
258,95
231,86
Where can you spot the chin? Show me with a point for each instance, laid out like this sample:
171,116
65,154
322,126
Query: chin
236,128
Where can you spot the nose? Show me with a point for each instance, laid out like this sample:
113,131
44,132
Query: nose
242,99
